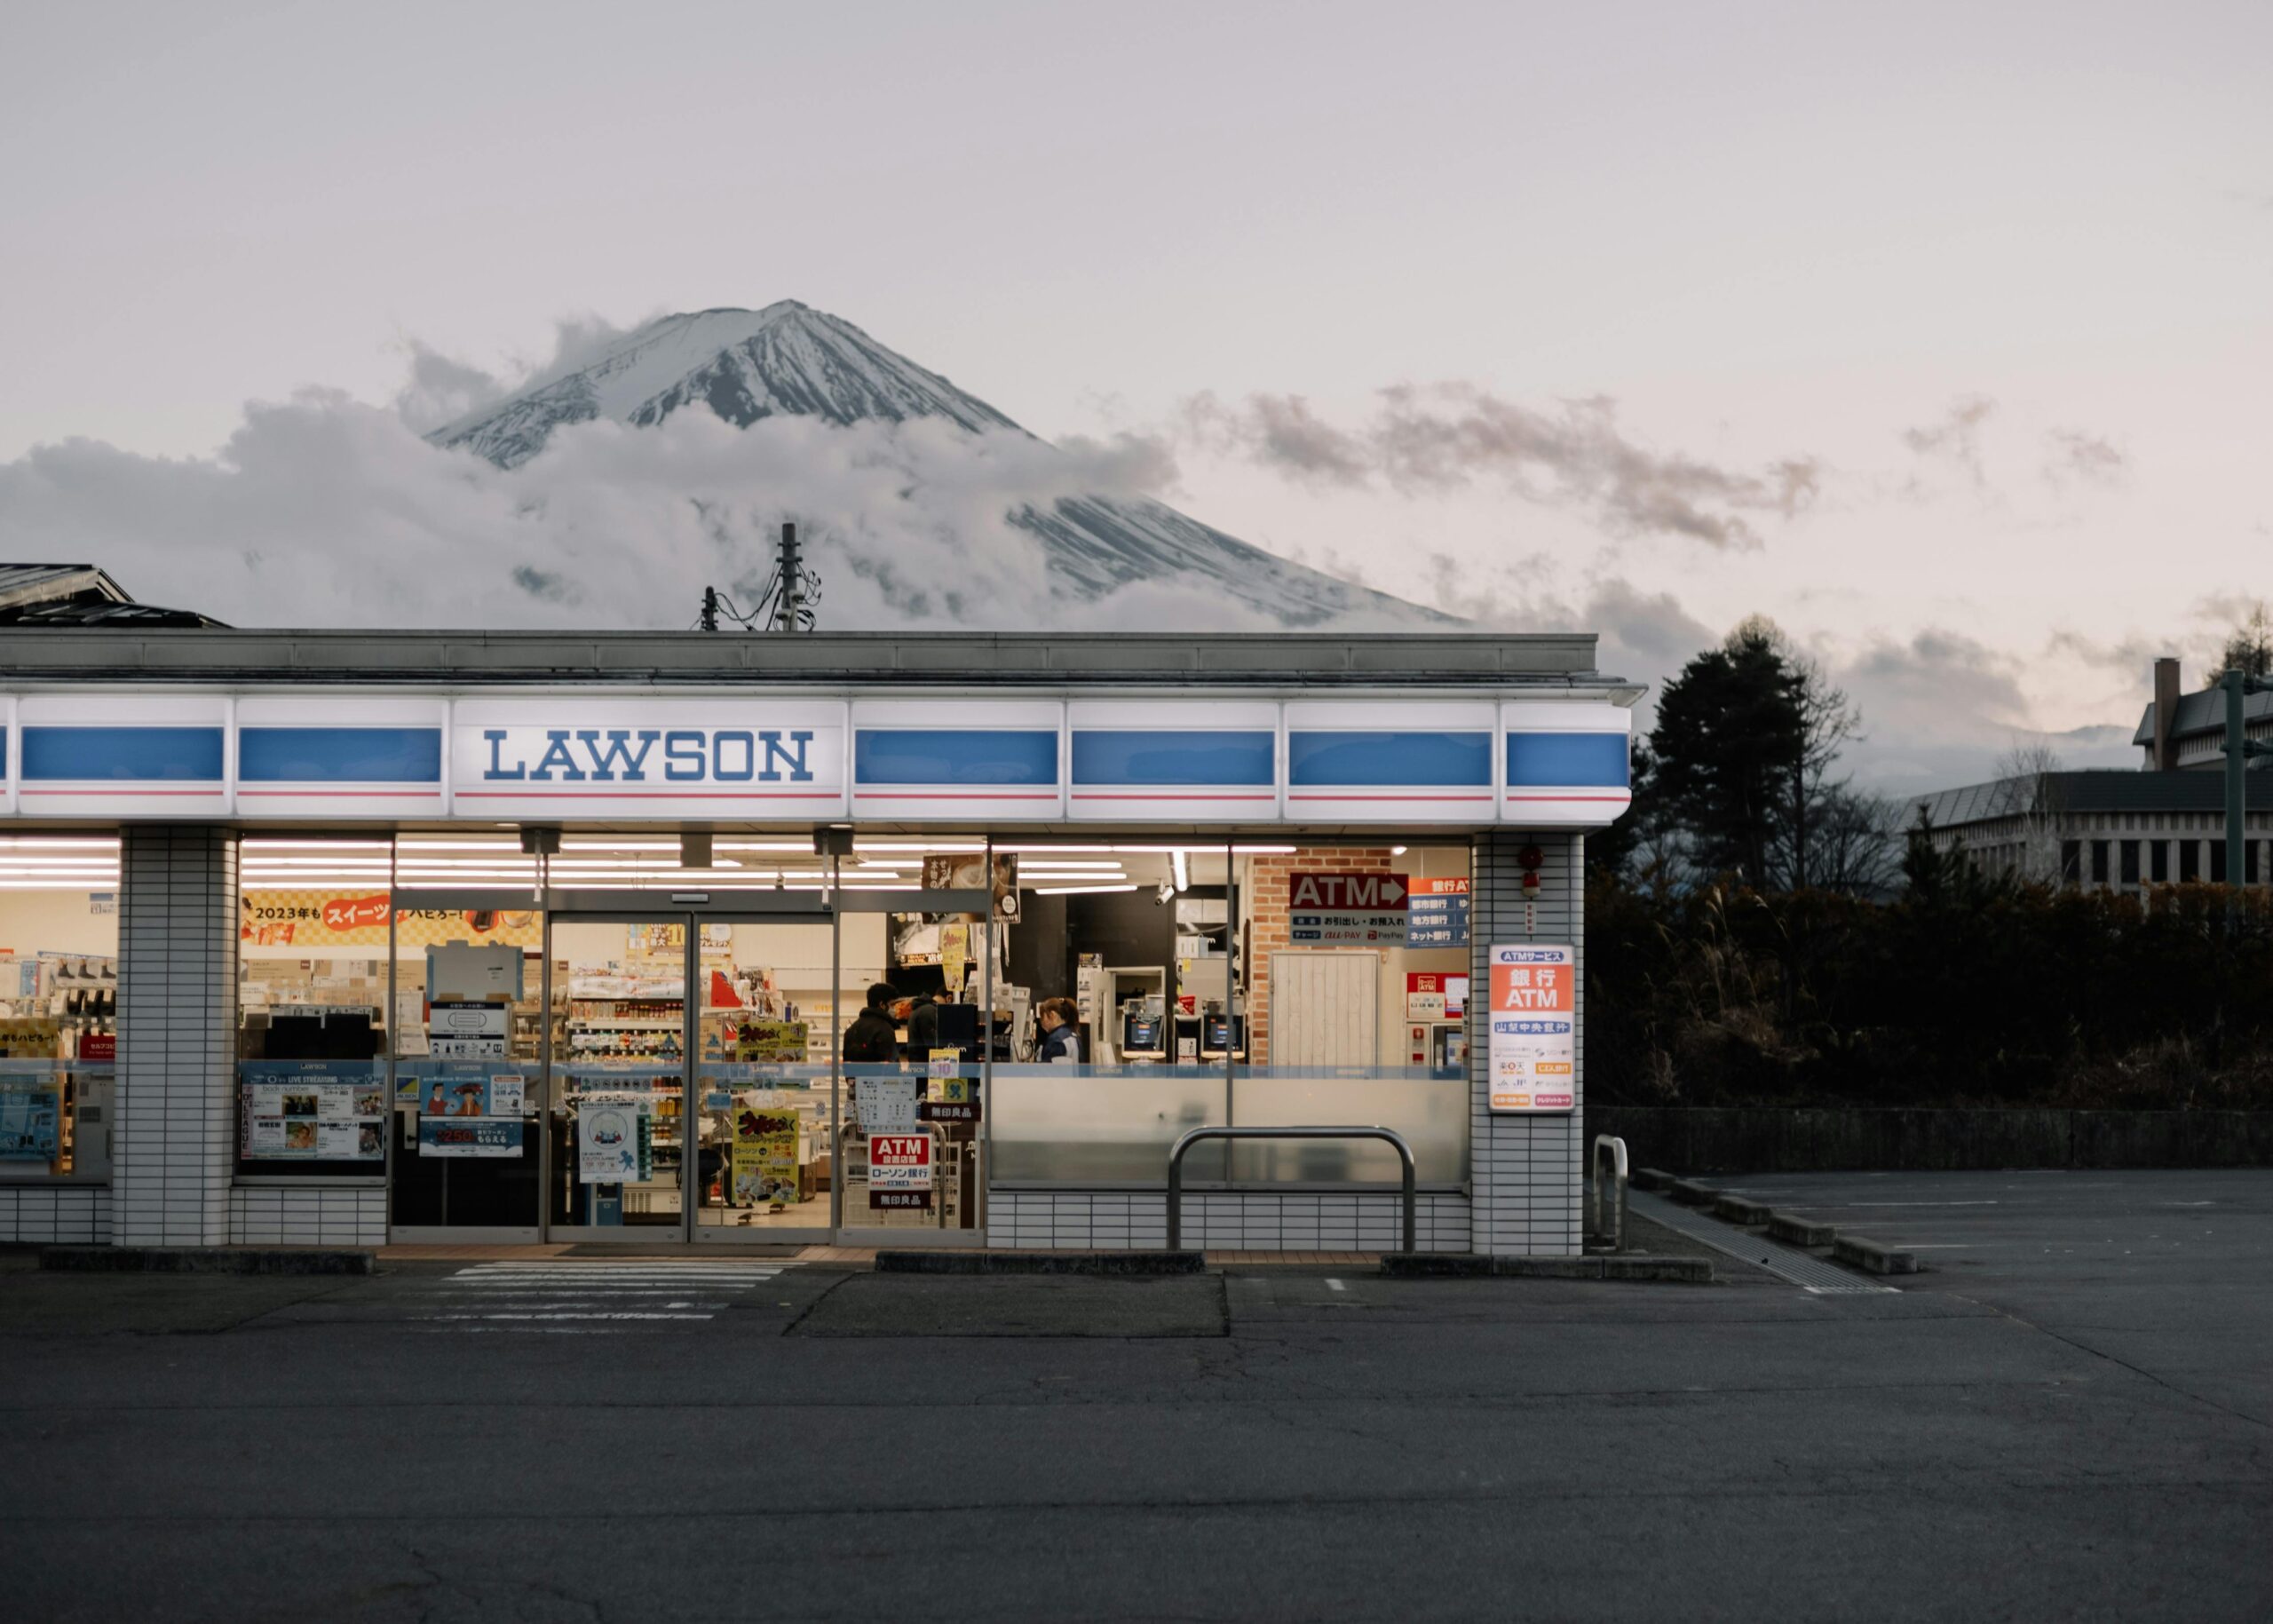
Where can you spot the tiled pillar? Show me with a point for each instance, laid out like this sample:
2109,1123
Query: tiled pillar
174,1147
1525,1170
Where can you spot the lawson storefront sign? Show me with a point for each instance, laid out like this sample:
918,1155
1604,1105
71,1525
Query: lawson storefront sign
796,757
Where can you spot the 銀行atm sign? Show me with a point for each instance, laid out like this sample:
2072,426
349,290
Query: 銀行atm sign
899,1170
1367,910
1534,1016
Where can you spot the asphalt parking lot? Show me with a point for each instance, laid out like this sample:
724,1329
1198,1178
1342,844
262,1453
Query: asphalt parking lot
2068,1417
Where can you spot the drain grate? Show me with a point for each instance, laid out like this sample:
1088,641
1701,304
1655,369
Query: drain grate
1823,1278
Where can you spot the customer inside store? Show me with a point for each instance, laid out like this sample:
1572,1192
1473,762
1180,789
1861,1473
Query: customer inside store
873,1039
924,1023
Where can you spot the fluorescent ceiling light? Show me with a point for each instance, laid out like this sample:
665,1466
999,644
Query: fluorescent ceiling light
1077,890
1182,874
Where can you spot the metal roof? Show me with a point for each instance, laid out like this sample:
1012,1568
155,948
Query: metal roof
1533,662
2092,790
2203,713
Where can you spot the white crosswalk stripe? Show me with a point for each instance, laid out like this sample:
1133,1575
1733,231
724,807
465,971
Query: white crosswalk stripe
596,1295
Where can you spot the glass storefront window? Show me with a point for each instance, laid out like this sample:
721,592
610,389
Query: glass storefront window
59,1006
1243,983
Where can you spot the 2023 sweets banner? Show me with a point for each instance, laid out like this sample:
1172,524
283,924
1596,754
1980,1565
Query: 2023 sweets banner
1533,1011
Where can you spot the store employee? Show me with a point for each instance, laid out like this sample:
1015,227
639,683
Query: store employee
1059,1039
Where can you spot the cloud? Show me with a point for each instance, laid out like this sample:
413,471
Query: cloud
321,510
1429,439
2074,457
1955,438
442,388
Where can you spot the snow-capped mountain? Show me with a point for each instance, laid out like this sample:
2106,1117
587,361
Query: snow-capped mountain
788,358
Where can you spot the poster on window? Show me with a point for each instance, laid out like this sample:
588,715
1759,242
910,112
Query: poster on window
469,1091
770,1041
899,1171
613,1139
765,1158
312,1110
31,1120
1534,1028
486,1136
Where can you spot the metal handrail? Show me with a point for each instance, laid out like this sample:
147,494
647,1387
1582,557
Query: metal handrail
1175,1167
1616,1149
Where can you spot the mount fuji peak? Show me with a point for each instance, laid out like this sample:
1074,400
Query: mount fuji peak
788,359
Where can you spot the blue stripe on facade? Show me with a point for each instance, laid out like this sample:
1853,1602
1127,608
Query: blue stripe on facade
1139,758
1567,760
339,755
954,755
1392,760
74,755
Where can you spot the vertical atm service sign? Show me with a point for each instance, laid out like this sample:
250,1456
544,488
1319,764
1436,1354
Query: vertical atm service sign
1534,1028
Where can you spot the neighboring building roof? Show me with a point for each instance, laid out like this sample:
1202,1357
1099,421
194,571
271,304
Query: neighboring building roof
25,584
1549,663
2203,713
79,595
2091,790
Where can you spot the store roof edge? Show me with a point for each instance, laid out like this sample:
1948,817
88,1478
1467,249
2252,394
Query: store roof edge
1561,660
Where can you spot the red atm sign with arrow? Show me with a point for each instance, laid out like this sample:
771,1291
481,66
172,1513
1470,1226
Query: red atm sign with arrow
1362,910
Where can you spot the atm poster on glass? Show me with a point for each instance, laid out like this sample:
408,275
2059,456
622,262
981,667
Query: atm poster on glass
899,1171
1534,1028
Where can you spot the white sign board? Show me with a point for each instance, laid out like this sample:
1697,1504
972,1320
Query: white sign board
1362,910
887,1103
607,1138
1533,1011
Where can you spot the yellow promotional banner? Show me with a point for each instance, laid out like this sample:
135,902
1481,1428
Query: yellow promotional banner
765,1157
315,920
770,1041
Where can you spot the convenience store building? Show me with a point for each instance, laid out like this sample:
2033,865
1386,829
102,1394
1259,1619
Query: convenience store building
340,936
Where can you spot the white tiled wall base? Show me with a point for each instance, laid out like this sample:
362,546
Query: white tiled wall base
175,1141
1241,1221
308,1217
1527,1171
60,1215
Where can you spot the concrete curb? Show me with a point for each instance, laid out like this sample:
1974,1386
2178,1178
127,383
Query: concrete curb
1041,1262
1800,1231
1611,1266
204,1260
1650,1178
1869,1255
1736,1209
1690,1193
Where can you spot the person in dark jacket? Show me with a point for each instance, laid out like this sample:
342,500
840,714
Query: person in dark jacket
923,1025
872,1038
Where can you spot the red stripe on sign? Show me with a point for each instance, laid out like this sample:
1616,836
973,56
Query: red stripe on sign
1569,797
1389,798
637,794
944,795
216,793
1082,796
375,794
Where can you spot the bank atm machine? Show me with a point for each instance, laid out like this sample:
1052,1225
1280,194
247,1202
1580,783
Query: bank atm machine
1436,1020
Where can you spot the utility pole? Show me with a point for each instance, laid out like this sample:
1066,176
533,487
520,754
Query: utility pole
785,618
709,608
2238,686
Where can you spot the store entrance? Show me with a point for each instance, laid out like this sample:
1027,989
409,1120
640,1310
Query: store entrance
693,1076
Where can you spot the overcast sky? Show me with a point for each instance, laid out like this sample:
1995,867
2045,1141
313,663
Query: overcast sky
1944,335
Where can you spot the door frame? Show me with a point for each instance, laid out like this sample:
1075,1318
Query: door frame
690,910
694,908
